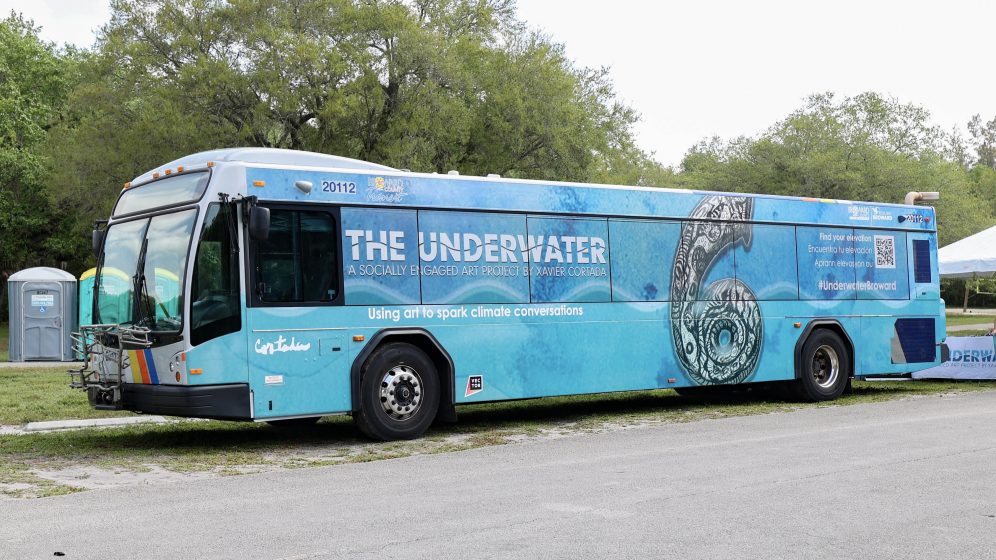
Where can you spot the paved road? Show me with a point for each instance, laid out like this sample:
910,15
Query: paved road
911,479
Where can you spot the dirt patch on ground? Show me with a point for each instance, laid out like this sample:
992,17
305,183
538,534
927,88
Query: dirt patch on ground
185,451
89,476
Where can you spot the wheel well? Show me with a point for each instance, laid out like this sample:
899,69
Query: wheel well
829,325
424,341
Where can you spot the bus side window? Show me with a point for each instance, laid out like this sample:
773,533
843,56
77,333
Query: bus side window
826,263
214,309
451,243
766,262
881,264
642,255
568,260
380,256
297,262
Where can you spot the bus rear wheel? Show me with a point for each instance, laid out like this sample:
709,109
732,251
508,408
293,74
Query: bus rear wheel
825,367
399,393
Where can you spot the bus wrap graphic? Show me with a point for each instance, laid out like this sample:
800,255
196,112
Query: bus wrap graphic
543,288
717,328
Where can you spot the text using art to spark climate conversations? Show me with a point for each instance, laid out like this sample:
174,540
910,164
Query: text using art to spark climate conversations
474,312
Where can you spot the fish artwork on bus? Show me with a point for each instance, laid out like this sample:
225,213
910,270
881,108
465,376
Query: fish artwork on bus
718,335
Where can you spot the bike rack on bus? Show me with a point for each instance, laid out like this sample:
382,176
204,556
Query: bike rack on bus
105,359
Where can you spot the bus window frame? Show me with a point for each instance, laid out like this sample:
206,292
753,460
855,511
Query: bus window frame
252,258
158,209
161,338
194,253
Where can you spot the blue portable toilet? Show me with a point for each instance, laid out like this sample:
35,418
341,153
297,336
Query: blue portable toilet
42,314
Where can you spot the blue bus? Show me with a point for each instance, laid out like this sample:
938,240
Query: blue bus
311,285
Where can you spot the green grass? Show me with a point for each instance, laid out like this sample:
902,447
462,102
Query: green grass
959,319
36,394
969,333
226,448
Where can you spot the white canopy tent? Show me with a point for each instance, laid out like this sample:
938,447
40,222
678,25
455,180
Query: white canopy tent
971,257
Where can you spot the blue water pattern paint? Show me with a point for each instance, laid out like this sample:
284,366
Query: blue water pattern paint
539,289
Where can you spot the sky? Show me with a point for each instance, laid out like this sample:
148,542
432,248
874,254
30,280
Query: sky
694,69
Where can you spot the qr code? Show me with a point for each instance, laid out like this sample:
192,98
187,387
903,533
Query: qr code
885,251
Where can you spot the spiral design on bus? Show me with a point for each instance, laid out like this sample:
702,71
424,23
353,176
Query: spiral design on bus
717,329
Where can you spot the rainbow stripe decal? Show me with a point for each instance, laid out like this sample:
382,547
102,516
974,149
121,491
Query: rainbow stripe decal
143,367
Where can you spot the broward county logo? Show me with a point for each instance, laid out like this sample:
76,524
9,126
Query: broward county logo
280,345
381,189
869,214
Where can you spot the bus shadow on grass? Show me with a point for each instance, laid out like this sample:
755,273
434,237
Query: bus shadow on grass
497,419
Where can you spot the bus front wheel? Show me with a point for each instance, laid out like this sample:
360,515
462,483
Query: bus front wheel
825,367
399,393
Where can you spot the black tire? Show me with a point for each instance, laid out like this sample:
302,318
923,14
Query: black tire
294,423
824,368
386,415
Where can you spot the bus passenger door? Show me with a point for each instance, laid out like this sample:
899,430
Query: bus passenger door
298,363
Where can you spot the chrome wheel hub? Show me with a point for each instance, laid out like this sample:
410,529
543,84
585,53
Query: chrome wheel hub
401,392
826,366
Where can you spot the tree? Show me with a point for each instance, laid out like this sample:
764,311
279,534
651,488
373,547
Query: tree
863,148
427,85
982,138
34,81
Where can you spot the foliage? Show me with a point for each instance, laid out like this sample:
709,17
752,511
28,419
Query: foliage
981,292
863,148
34,80
427,85
4,342
983,141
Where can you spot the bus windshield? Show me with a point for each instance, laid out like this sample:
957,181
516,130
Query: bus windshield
140,278
171,191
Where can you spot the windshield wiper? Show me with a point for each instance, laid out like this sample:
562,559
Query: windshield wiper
94,307
141,288
149,312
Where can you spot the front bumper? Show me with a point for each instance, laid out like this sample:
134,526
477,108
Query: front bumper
221,402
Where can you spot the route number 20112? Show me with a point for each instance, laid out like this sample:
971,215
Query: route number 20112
342,187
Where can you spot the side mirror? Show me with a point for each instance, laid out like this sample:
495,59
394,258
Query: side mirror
259,223
97,240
